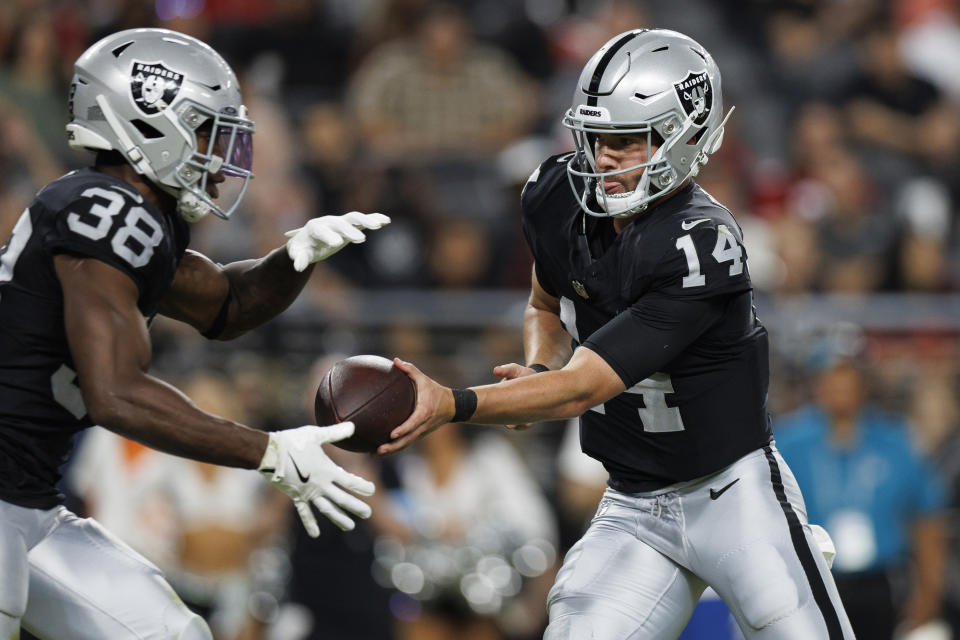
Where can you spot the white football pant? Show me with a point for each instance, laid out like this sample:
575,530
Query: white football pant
67,578
640,568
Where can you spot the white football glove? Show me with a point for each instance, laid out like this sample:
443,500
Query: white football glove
295,463
322,237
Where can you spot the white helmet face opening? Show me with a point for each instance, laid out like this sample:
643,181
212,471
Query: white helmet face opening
146,93
658,85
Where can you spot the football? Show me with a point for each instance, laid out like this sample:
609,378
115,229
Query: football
370,391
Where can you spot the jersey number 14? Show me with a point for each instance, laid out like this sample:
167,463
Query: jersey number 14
727,249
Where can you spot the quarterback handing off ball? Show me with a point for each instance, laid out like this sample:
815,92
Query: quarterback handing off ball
369,391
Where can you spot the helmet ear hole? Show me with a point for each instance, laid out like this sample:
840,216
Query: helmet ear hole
148,131
695,138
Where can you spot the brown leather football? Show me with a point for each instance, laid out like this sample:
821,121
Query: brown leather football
370,391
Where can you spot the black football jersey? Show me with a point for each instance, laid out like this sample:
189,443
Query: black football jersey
668,304
89,214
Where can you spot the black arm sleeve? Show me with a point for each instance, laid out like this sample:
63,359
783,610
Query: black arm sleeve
644,338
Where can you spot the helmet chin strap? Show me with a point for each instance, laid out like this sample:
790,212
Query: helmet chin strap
190,207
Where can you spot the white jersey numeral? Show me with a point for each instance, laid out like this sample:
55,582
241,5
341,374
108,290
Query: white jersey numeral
655,415
14,247
694,277
133,229
134,241
63,383
568,317
727,249
103,214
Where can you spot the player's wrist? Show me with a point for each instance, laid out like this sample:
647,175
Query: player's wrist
464,404
271,456
539,368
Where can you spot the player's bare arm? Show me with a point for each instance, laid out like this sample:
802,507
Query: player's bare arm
226,301
111,349
254,291
545,341
584,382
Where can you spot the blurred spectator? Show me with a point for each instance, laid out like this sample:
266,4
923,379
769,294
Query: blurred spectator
308,41
30,79
808,62
924,206
930,41
439,94
116,480
386,21
886,105
225,521
329,153
481,546
947,459
459,255
880,501
935,420
816,132
856,238
25,165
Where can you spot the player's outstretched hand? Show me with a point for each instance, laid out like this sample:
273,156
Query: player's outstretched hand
322,237
296,463
434,409
510,372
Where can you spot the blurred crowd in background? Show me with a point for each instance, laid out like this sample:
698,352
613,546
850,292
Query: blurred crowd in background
841,163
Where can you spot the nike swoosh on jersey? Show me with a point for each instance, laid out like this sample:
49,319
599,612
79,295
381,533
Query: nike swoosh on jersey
303,478
714,494
690,224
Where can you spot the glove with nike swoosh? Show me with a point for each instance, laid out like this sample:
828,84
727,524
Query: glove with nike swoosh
322,237
296,463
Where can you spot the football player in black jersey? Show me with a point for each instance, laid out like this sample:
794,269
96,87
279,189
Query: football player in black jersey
645,274
97,254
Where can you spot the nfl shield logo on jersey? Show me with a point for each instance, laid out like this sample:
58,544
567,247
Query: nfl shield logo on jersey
696,95
580,289
154,86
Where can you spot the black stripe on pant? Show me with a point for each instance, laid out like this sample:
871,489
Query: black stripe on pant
820,595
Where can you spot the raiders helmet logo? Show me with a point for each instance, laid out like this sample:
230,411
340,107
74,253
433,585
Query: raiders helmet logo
696,96
154,86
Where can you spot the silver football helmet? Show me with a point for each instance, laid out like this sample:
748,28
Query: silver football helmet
657,83
145,93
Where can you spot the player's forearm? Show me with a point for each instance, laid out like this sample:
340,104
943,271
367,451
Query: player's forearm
545,341
552,395
158,415
261,289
